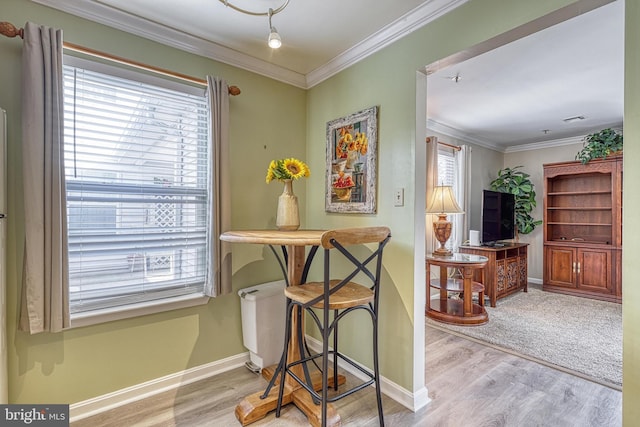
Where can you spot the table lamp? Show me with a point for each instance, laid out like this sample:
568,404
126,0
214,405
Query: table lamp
443,202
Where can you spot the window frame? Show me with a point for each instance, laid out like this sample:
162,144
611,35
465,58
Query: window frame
141,308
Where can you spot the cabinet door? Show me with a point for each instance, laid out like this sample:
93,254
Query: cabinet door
559,266
513,277
594,270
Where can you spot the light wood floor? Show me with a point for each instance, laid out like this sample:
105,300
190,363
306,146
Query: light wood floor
469,384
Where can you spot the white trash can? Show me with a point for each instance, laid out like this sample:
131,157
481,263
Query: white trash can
263,323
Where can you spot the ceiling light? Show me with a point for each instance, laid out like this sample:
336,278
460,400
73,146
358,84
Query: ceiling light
274,41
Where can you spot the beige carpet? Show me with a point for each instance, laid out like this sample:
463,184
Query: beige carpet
575,334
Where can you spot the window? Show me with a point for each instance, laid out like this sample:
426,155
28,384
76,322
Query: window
446,168
447,175
136,159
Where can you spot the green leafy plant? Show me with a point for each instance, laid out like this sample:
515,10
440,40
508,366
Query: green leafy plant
599,145
511,180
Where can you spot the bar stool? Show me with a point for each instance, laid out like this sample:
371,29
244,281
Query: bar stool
341,296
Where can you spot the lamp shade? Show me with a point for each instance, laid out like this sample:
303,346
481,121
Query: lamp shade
443,201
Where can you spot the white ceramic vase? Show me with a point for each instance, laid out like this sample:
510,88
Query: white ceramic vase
288,216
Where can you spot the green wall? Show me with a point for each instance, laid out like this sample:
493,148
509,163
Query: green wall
273,120
388,79
268,120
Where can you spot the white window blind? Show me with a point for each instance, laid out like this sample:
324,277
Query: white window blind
446,168
447,176
136,160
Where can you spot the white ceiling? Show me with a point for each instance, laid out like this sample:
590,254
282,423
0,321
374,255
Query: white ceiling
507,97
504,98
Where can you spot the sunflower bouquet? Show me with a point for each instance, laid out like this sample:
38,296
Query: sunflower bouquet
287,169
348,144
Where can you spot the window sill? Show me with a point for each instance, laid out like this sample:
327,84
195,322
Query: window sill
135,310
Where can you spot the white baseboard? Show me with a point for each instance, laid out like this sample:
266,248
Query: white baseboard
533,280
90,407
411,401
99,404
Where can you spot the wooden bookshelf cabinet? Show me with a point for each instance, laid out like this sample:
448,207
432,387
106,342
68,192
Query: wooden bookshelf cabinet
506,270
583,228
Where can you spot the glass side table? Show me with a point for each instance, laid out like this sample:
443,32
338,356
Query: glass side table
456,311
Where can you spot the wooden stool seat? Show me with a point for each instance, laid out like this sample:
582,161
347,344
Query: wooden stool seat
335,299
350,295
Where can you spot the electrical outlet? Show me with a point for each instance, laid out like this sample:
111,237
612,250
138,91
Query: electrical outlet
398,197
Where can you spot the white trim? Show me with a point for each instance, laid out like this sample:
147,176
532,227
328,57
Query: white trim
534,280
556,142
95,317
458,134
94,11
420,16
411,401
461,135
420,397
544,144
139,26
138,392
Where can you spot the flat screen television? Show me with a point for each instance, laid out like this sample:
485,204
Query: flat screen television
498,217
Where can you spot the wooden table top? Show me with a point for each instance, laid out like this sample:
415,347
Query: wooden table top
274,237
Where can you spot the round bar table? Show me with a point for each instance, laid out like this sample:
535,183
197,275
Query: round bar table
447,310
295,268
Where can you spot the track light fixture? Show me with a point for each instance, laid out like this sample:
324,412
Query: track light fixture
274,41
274,38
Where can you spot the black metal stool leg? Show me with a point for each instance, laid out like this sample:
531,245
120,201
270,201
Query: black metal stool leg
305,367
335,351
283,371
326,331
376,368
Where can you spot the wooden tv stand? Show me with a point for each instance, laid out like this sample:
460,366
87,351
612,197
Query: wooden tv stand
506,270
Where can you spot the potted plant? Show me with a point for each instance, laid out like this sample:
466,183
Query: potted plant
511,180
599,145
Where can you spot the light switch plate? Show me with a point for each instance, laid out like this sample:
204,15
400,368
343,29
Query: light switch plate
398,197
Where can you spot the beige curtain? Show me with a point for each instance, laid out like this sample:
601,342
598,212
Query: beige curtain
432,181
219,277
45,290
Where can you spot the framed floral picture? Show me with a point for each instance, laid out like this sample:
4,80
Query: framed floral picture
352,144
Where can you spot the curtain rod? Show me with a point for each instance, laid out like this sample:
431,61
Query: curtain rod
10,30
455,147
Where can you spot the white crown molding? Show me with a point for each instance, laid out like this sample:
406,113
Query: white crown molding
115,18
461,135
560,141
411,21
139,26
544,144
458,134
